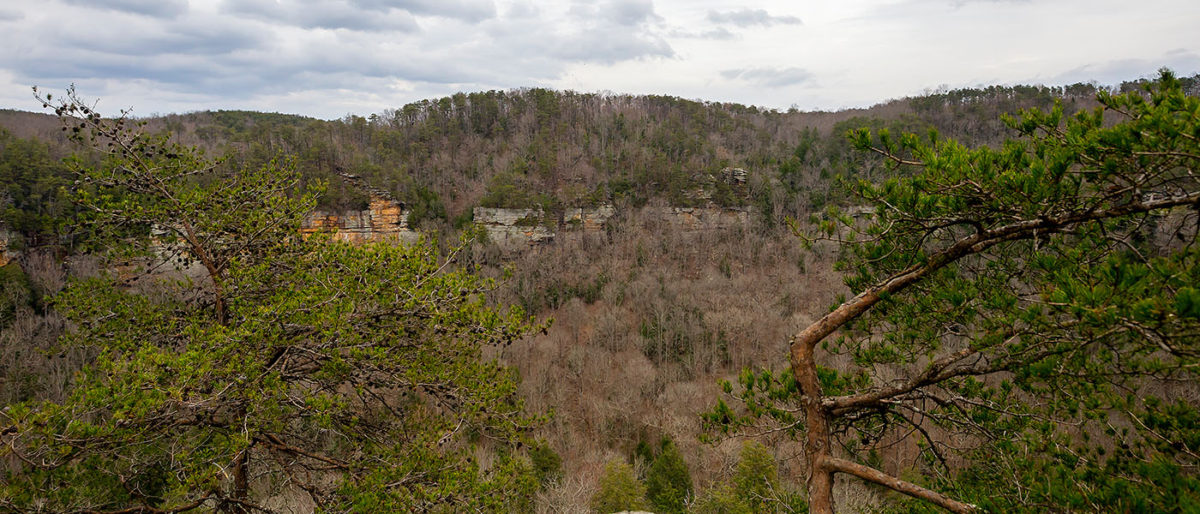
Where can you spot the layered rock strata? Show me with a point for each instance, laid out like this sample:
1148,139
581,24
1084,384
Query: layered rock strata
384,220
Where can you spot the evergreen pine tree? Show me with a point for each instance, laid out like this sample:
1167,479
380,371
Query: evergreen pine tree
756,480
619,490
668,482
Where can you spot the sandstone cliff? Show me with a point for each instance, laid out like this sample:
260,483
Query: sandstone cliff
516,228
383,220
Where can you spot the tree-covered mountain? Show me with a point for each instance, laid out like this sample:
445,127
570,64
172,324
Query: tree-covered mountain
551,149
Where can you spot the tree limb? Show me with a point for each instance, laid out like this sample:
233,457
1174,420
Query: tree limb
873,475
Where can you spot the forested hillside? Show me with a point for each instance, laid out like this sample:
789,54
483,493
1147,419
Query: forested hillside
552,149
646,318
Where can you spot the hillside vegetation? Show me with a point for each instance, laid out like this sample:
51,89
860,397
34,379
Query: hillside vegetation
647,319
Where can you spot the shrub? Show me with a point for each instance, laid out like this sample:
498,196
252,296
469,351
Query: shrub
547,464
619,490
668,482
756,479
721,500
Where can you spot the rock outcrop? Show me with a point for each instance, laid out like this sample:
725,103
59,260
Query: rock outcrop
383,220
514,228
734,176
704,218
589,218
517,228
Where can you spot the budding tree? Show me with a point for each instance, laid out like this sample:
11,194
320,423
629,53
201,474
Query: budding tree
350,377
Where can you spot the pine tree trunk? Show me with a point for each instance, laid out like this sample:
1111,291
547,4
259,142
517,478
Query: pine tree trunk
817,437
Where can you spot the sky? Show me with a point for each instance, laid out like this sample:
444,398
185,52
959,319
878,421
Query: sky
331,58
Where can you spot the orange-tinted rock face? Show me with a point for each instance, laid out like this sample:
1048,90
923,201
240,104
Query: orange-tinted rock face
384,220
387,217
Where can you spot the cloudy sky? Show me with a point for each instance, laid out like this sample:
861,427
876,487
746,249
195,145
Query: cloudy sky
329,58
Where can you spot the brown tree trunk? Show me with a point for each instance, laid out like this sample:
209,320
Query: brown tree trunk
818,448
210,265
817,439
241,483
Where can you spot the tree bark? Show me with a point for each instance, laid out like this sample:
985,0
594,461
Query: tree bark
817,439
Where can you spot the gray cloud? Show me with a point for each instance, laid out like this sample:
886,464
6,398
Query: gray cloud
522,10
466,10
186,54
1112,72
960,3
153,8
324,14
747,17
717,34
234,77
768,77
602,47
261,48
369,15
157,39
176,72
606,33
254,49
630,13
323,56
